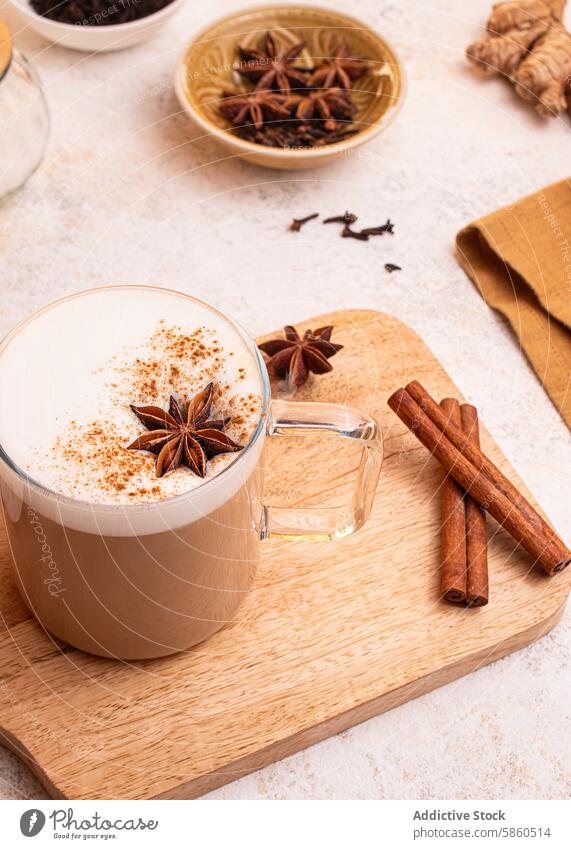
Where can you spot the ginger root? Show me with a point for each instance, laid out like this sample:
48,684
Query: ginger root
527,42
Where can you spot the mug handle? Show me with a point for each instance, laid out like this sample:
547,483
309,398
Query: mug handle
296,418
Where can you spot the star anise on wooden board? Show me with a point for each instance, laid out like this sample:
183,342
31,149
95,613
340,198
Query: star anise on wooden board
183,437
270,68
296,356
341,69
254,107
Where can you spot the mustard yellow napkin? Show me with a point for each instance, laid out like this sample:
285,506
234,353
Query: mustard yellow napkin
519,258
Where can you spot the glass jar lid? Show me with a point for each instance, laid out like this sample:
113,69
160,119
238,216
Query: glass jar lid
5,47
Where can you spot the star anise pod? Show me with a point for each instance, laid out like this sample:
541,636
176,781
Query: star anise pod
341,69
296,356
326,103
256,106
270,68
183,438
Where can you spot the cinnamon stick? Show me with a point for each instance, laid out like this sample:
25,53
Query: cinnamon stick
479,477
477,591
480,461
453,584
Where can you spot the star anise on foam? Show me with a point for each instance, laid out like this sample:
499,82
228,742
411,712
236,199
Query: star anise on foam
253,107
183,437
296,356
341,69
270,68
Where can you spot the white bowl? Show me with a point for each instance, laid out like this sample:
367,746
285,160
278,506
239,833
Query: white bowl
93,39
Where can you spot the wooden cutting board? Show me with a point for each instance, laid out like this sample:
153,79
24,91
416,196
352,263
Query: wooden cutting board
332,633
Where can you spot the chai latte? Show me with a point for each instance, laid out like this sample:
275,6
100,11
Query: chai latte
108,556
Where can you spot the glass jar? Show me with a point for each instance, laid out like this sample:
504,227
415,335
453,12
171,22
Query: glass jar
24,117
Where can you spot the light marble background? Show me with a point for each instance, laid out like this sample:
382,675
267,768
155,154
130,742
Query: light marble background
125,194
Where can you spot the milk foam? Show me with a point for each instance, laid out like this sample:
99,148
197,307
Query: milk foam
68,376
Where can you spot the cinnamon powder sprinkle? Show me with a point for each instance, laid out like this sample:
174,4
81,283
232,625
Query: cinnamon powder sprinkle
101,453
94,455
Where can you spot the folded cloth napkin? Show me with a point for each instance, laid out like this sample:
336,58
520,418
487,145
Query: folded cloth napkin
519,258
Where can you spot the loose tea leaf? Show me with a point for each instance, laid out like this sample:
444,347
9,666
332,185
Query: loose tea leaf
390,267
97,12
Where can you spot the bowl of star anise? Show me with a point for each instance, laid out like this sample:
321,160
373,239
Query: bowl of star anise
290,86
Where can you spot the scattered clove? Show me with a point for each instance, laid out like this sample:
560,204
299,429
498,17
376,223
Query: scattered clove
390,267
388,227
348,233
298,223
347,219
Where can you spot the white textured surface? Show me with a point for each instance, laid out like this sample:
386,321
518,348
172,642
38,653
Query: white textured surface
125,194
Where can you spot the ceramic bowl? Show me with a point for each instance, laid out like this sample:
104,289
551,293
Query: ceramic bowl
208,65
95,39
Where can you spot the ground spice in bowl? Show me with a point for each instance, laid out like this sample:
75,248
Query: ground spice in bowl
97,12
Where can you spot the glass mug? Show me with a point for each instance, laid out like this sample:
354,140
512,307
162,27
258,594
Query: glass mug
136,581
24,117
